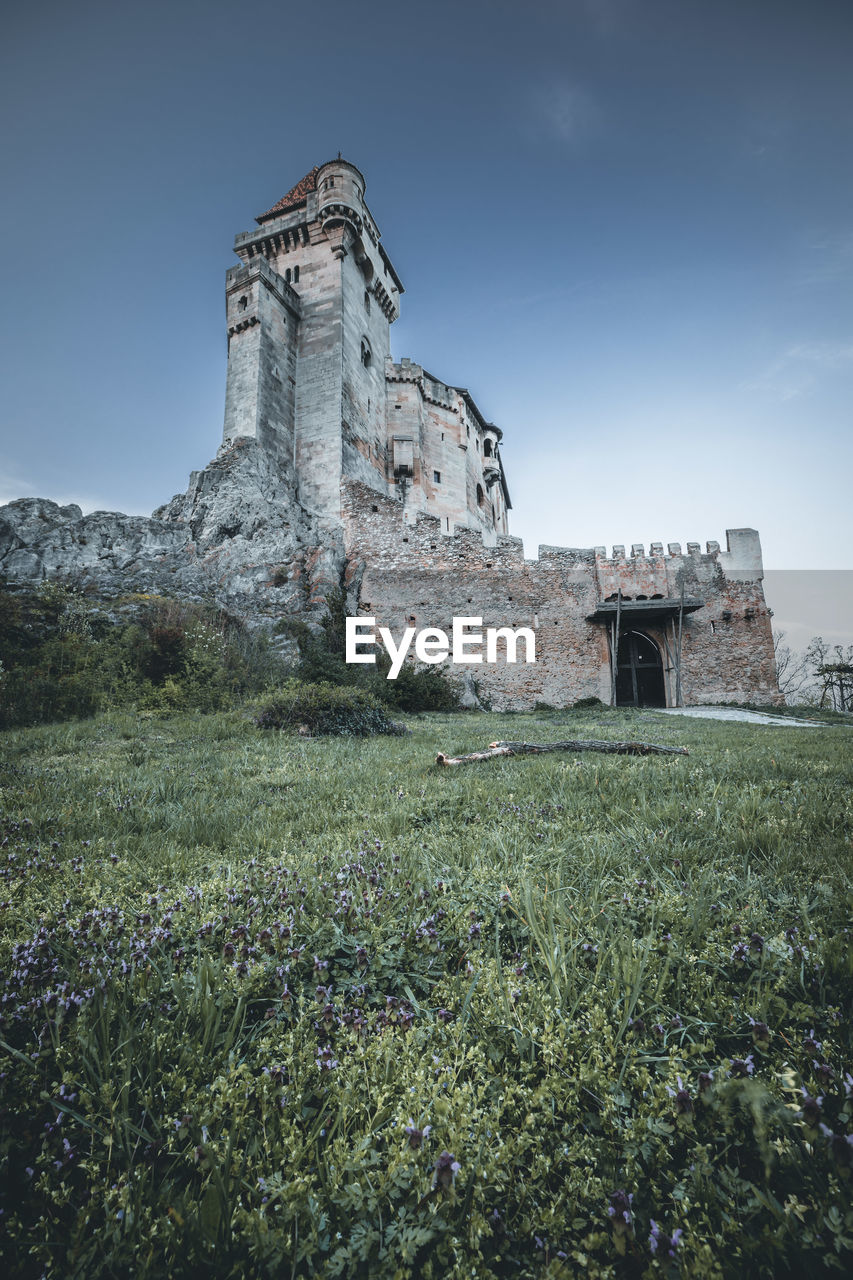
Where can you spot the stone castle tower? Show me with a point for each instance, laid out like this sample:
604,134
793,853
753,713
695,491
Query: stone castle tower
310,374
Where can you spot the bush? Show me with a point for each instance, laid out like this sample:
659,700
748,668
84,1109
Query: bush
417,689
322,662
325,708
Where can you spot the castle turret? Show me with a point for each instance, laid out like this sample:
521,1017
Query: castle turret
307,380
340,195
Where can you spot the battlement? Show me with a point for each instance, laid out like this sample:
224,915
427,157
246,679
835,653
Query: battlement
403,370
673,551
741,559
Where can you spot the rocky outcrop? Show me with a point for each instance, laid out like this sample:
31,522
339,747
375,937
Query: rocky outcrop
237,536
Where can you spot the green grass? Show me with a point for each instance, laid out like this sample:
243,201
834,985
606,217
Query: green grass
540,958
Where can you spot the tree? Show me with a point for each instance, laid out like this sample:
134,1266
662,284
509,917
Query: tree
832,668
793,671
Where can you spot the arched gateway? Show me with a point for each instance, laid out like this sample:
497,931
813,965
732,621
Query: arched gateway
639,672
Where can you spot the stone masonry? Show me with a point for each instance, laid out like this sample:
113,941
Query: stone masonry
341,467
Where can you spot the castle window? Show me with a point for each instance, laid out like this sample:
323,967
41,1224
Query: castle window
487,448
243,303
296,275
436,475
367,302
480,495
287,276
374,508
366,357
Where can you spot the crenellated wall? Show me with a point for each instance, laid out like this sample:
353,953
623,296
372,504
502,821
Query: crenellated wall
413,574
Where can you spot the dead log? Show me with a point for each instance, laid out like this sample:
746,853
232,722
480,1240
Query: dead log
580,744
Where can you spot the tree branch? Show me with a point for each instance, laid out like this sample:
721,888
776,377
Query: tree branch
582,744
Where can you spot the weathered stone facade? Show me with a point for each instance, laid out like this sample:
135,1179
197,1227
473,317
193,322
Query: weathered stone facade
340,466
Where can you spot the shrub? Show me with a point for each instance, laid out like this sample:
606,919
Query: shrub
417,689
325,708
322,662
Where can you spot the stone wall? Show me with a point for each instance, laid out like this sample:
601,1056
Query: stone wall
410,575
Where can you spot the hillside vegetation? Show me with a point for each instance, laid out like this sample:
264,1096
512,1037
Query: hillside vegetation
281,1006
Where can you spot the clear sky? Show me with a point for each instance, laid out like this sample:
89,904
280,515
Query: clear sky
625,225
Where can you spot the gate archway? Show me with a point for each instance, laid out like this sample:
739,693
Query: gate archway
639,672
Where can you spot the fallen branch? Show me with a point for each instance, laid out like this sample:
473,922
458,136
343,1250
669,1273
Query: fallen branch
582,744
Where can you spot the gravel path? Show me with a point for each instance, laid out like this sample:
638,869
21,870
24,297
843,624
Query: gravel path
736,713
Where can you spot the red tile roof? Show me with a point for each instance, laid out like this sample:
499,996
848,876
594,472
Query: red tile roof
295,197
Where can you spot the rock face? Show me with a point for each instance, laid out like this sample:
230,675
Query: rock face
237,536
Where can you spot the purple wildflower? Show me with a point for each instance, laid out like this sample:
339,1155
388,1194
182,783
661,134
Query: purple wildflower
824,1072
446,1169
326,1060
683,1100
742,1067
415,1135
659,1240
619,1210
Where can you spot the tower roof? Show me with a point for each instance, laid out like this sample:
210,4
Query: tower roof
295,197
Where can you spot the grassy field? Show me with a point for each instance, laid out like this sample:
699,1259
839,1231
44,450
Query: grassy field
276,1006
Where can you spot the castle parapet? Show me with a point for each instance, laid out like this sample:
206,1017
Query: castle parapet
659,573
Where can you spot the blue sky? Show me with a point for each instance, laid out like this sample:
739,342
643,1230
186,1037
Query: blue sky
625,225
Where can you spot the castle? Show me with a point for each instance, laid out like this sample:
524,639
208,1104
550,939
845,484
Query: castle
341,467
